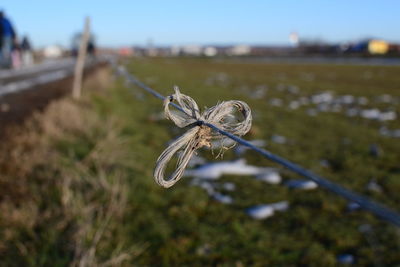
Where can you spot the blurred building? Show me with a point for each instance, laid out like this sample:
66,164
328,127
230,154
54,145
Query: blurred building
378,47
210,51
53,51
261,51
294,39
368,47
394,49
192,50
239,50
126,51
175,50
296,48
151,50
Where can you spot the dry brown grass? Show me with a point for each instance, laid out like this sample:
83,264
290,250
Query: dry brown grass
45,188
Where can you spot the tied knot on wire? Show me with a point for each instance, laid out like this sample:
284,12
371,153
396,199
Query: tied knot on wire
225,116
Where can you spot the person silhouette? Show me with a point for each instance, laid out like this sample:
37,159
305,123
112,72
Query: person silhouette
7,38
26,52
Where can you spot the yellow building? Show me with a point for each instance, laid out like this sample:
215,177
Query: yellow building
378,47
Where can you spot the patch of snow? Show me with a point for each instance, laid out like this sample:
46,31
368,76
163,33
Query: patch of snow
371,114
347,99
324,163
225,199
207,186
228,186
216,170
213,171
271,177
259,92
276,102
374,187
389,133
322,98
387,116
261,212
294,104
352,206
301,184
279,139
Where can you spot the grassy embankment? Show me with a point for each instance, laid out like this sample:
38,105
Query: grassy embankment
76,184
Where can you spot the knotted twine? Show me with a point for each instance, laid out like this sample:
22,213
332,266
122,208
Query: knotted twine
223,115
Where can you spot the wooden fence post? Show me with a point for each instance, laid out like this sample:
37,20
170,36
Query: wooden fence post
80,61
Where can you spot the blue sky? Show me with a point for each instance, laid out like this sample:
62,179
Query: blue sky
173,22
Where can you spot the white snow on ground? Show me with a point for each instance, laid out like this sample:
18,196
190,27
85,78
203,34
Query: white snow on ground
204,176
349,105
215,170
277,102
271,177
301,184
387,116
206,185
225,199
373,186
322,98
263,211
279,139
372,114
210,188
228,186
389,133
352,206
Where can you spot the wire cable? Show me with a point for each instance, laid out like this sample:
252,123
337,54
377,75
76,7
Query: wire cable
365,203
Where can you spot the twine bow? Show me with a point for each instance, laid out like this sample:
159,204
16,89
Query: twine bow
222,115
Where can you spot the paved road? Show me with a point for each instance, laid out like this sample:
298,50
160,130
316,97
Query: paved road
12,81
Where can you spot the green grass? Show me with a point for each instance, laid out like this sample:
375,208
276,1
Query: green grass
98,182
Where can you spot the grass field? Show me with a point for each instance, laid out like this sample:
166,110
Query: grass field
78,188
